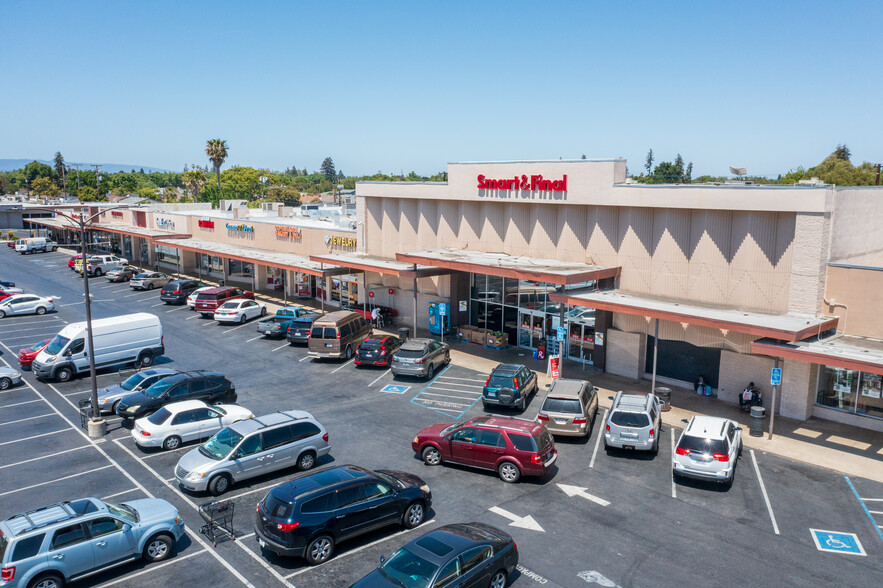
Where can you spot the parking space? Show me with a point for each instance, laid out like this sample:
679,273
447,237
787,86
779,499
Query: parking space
452,392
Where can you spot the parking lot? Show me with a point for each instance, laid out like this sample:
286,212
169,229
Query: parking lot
611,519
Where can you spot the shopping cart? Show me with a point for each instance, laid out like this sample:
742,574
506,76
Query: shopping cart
218,517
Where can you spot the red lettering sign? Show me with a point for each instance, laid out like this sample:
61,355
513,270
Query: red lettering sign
116,214
207,224
525,183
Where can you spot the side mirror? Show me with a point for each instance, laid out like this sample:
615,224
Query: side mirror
548,386
235,455
126,527
67,353
382,559
610,398
738,428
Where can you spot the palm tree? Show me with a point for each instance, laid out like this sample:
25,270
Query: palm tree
193,181
216,149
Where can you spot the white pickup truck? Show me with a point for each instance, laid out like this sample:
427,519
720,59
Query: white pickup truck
98,265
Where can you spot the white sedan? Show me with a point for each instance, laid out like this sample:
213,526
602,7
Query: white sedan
191,300
25,304
239,311
184,421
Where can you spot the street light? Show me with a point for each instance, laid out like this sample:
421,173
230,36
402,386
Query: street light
263,187
339,194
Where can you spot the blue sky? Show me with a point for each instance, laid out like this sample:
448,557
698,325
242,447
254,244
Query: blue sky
401,86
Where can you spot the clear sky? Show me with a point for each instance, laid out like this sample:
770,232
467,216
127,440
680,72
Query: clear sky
401,86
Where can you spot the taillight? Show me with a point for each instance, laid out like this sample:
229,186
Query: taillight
516,383
421,360
338,335
50,301
161,338
536,458
287,527
542,417
145,433
325,437
682,451
8,574
607,427
176,291
652,432
579,421
488,381
257,507
722,456
382,348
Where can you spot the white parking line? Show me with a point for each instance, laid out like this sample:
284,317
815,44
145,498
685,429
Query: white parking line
766,498
449,396
70,304
600,434
28,337
151,569
304,358
22,330
210,323
34,437
674,492
78,474
155,305
20,403
464,379
161,453
44,456
280,347
254,338
121,493
245,324
135,293
262,489
377,378
12,321
245,536
192,317
343,366
27,419
459,393
182,307
76,393
464,385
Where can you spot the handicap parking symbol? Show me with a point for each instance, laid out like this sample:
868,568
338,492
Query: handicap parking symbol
837,542
393,389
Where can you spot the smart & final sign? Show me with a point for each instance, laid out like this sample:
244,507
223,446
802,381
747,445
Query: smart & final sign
243,228
206,224
290,232
524,183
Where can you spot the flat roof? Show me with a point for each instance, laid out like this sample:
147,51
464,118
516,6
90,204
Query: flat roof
382,265
278,259
784,327
843,351
63,223
511,266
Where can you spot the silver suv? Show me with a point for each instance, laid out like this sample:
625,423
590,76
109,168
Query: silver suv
252,448
635,422
420,357
708,450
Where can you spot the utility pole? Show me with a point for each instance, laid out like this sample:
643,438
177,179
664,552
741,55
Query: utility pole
97,181
878,174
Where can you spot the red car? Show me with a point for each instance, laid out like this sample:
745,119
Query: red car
209,300
26,356
73,260
510,447
4,294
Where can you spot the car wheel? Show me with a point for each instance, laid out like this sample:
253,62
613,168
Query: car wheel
127,278
146,359
242,319
509,472
740,450
306,461
64,374
5,383
430,371
431,456
158,548
263,311
171,443
219,485
319,550
47,581
498,580
414,515
41,310
349,352
97,272
2,314
522,405
113,409
150,286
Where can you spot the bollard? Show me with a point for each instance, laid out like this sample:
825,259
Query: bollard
97,428
758,413
664,394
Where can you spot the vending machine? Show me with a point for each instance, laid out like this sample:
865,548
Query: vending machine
439,318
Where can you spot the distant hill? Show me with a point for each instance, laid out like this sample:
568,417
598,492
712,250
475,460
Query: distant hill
14,164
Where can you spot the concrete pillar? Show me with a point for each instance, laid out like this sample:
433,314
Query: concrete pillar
798,390
625,353
809,262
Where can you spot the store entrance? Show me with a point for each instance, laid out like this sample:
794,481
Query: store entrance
581,341
531,328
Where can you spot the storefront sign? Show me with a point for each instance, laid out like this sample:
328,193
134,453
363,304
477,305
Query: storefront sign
463,306
165,223
290,232
243,228
599,339
116,214
524,183
206,224
555,366
340,241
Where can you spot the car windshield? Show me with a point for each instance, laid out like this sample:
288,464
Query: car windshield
230,305
158,389
124,511
500,382
117,269
630,419
390,480
449,428
220,446
160,416
133,381
409,570
571,405
702,445
38,346
57,344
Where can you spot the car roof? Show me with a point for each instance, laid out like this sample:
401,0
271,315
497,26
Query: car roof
318,479
218,290
415,344
158,371
439,545
634,401
567,388
181,376
307,318
44,516
709,427
338,315
507,369
269,420
509,423
176,407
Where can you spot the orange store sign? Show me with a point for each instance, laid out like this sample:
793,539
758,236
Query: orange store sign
290,232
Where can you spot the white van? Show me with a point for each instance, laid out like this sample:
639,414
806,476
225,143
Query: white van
35,244
127,339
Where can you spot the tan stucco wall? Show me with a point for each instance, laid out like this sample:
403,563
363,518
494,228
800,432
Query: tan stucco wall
861,290
797,390
855,229
738,369
625,354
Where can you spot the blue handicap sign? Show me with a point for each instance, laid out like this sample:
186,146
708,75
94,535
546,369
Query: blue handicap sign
442,309
837,542
776,377
393,389
561,333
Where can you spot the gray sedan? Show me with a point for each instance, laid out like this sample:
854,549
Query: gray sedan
121,273
9,378
149,281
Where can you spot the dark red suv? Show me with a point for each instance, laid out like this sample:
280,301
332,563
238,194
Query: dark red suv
209,300
510,446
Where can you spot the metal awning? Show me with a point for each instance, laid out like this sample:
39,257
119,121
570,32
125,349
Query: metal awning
512,266
842,351
784,327
277,259
380,265
53,222
144,233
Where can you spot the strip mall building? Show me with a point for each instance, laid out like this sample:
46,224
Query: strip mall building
723,281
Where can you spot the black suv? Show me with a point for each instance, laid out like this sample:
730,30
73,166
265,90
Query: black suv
308,515
510,385
177,291
198,385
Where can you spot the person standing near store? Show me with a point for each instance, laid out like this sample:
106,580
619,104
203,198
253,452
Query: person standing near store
375,316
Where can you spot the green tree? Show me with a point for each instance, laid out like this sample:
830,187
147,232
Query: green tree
842,152
87,194
44,187
648,164
35,170
838,169
216,149
193,181
328,170
59,165
147,193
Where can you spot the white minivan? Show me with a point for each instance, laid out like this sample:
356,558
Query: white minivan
35,244
118,340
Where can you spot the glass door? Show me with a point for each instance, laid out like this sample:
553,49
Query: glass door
580,341
530,328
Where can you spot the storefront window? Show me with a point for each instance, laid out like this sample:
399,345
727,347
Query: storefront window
850,391
166,254
211,264
275,276
241,269
335,290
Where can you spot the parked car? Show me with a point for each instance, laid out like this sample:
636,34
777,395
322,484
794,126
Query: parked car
35,245
312,513
109,397
98,265
149,281
121,273
209,300
337,334
7,292
634,422
462,554
377,350
12,243
25,304
708,450
420,357
71,263
510,385
277,326
26,356
299,329
50,546
9,377
199,385
512,447
177,291
570,408
239,311
7,284
180,422
254,447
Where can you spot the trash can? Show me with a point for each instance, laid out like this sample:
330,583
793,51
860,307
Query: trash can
664,394
404,333
758,413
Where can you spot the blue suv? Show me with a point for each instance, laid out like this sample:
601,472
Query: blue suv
59,543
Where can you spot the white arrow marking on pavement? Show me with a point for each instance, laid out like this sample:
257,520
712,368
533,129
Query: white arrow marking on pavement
572,491
517,521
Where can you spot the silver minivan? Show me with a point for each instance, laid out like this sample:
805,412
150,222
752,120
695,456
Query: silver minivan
253,448
635,422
